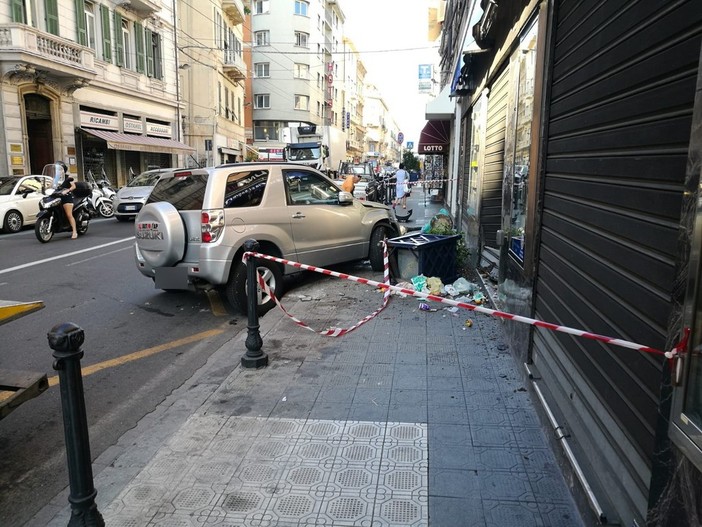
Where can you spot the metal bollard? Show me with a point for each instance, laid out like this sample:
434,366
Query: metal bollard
66,339
254,357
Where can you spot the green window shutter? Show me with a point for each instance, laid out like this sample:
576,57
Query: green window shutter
149,54
51,10
18,12
106,35
119,48
139,38
80,23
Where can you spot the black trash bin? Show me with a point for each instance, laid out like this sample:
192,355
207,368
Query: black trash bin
425,254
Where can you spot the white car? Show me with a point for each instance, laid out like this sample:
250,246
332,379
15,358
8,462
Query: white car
131,198
19,200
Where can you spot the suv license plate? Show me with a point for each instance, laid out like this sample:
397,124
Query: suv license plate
171,278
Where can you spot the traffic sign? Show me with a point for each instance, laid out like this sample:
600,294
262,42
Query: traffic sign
410,145
400,137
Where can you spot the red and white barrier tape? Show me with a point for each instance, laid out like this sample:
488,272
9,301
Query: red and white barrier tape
678,349
331,332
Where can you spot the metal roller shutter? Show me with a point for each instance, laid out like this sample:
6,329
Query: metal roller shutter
491,185
622,86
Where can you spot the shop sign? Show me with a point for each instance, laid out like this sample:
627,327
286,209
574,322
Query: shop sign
99,120
162,130
270,154
134,126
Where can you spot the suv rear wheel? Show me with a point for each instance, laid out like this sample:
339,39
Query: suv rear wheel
235,289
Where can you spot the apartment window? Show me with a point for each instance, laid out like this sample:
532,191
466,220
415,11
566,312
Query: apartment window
128,61
91,41
302,71
260,7
319,109
319,80
227,111
301,7
262,101
262,69
154,55
262,38
302,102
267,130
301,39
106,33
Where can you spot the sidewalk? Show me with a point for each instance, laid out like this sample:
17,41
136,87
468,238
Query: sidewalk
413,419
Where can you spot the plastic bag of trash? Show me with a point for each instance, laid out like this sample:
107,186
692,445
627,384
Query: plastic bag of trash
463,286
450,290
434,284
419,282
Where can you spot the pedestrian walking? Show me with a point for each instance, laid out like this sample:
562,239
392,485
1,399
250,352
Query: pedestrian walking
401,187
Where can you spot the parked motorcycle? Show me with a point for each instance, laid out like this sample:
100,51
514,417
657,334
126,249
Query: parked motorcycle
52,218
100,198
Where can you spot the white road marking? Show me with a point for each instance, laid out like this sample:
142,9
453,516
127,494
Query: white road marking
45,260
98,256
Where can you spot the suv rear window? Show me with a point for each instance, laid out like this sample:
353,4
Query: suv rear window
184,193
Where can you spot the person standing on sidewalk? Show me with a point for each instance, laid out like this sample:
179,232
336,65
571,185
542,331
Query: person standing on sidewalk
401,187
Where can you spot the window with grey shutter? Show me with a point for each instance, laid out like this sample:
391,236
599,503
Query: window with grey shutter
106,35
139,39
119,47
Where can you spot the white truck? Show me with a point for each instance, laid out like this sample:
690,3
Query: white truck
321,147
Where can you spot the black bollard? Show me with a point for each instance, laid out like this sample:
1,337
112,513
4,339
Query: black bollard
66,339
254,357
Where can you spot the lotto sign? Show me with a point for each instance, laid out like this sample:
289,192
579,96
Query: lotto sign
400,137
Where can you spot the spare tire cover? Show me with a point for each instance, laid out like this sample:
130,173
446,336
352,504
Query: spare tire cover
160,234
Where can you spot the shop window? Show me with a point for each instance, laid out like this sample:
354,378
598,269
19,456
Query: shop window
267,130
521,139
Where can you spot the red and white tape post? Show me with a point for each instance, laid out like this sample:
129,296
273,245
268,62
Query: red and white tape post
677,350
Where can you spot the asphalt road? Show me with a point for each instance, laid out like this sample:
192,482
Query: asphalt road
153,340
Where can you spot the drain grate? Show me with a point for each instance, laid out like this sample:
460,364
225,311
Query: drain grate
241,501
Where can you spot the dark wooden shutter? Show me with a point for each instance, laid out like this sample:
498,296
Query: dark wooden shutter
119,46
51,9
106,34
139,39
158,56
622,84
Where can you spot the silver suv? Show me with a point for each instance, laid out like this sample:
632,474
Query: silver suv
191,231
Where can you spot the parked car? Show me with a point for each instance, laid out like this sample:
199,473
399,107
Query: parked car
131,198
190,234
19,200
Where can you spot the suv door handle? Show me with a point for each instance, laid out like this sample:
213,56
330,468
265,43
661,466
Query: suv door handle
298,215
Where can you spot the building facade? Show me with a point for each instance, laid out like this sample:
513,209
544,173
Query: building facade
578,140
297,77
354,78
91,83
213,73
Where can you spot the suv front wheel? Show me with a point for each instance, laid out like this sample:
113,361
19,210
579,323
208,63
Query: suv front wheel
235,289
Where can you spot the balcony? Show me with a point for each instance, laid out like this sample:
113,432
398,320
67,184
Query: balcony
27,53
143,8
234,9
233,65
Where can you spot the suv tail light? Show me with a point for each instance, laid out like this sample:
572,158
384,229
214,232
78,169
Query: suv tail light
211,225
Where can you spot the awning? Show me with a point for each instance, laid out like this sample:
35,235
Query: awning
442,107
140,143
229,151
435,137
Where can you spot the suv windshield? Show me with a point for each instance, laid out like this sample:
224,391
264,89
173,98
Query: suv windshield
146,179
183,192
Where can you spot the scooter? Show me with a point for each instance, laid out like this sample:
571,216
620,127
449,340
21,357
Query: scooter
52,218
99,202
